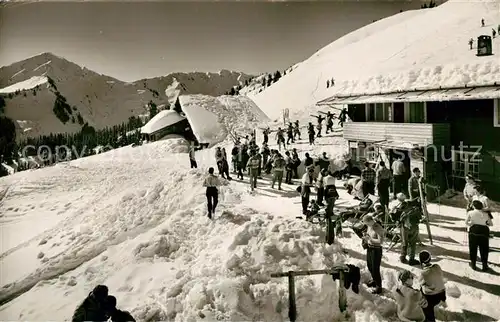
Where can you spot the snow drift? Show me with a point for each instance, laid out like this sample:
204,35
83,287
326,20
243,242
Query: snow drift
213,119
414,49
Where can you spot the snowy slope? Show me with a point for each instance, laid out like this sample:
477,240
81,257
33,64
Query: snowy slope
414,49
214,118
145,235
24,85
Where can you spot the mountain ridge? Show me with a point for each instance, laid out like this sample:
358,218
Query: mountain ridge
101,100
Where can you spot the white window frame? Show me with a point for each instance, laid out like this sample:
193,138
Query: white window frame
496,112
407,112
391,110
466,160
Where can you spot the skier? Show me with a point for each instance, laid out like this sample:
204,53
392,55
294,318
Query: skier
471,42
409,300
266,133
310,130
482,22
329,122
296,130
432,281
373,239
280,138
93,308
192,157
253,168
479,234
278,169
327,83
115,314
211,183
289,133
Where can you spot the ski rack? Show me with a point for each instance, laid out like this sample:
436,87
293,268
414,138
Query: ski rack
292,307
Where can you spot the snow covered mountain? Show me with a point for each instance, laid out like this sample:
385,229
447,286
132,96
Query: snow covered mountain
412,49
92,98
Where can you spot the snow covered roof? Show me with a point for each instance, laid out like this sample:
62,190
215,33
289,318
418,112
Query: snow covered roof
450,94
161,120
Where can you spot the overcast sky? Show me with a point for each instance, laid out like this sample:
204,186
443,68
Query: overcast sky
133,40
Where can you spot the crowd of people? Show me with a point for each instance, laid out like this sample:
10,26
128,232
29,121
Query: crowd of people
396,219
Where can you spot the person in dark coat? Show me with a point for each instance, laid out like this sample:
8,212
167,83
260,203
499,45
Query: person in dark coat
115,314
93,308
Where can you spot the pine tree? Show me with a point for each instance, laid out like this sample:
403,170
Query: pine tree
232,91
153,110
277,76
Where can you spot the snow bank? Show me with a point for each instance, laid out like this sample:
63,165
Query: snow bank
214,118
172,91
414,49
24,85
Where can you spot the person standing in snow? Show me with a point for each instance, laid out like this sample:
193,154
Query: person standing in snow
310,131
288,168
280,138
432,284
409,219
415,184
323,162
368,176
471,42
469,190
289,133
478,222
373,239
343,117
319,126
278,169
265,152
409,300
296,130
320,188
398,174
93,308
383,180
219,159
330,192
494,33
225,165
482,22
211,183
329,122
295,163
192,157
266,133
308,161
306,184
234,158
253,168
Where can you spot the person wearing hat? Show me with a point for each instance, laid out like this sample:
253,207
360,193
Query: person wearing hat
409,300
408,223
373,238
432,285
479,234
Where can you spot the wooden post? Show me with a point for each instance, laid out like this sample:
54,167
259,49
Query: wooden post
292,308
424,209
